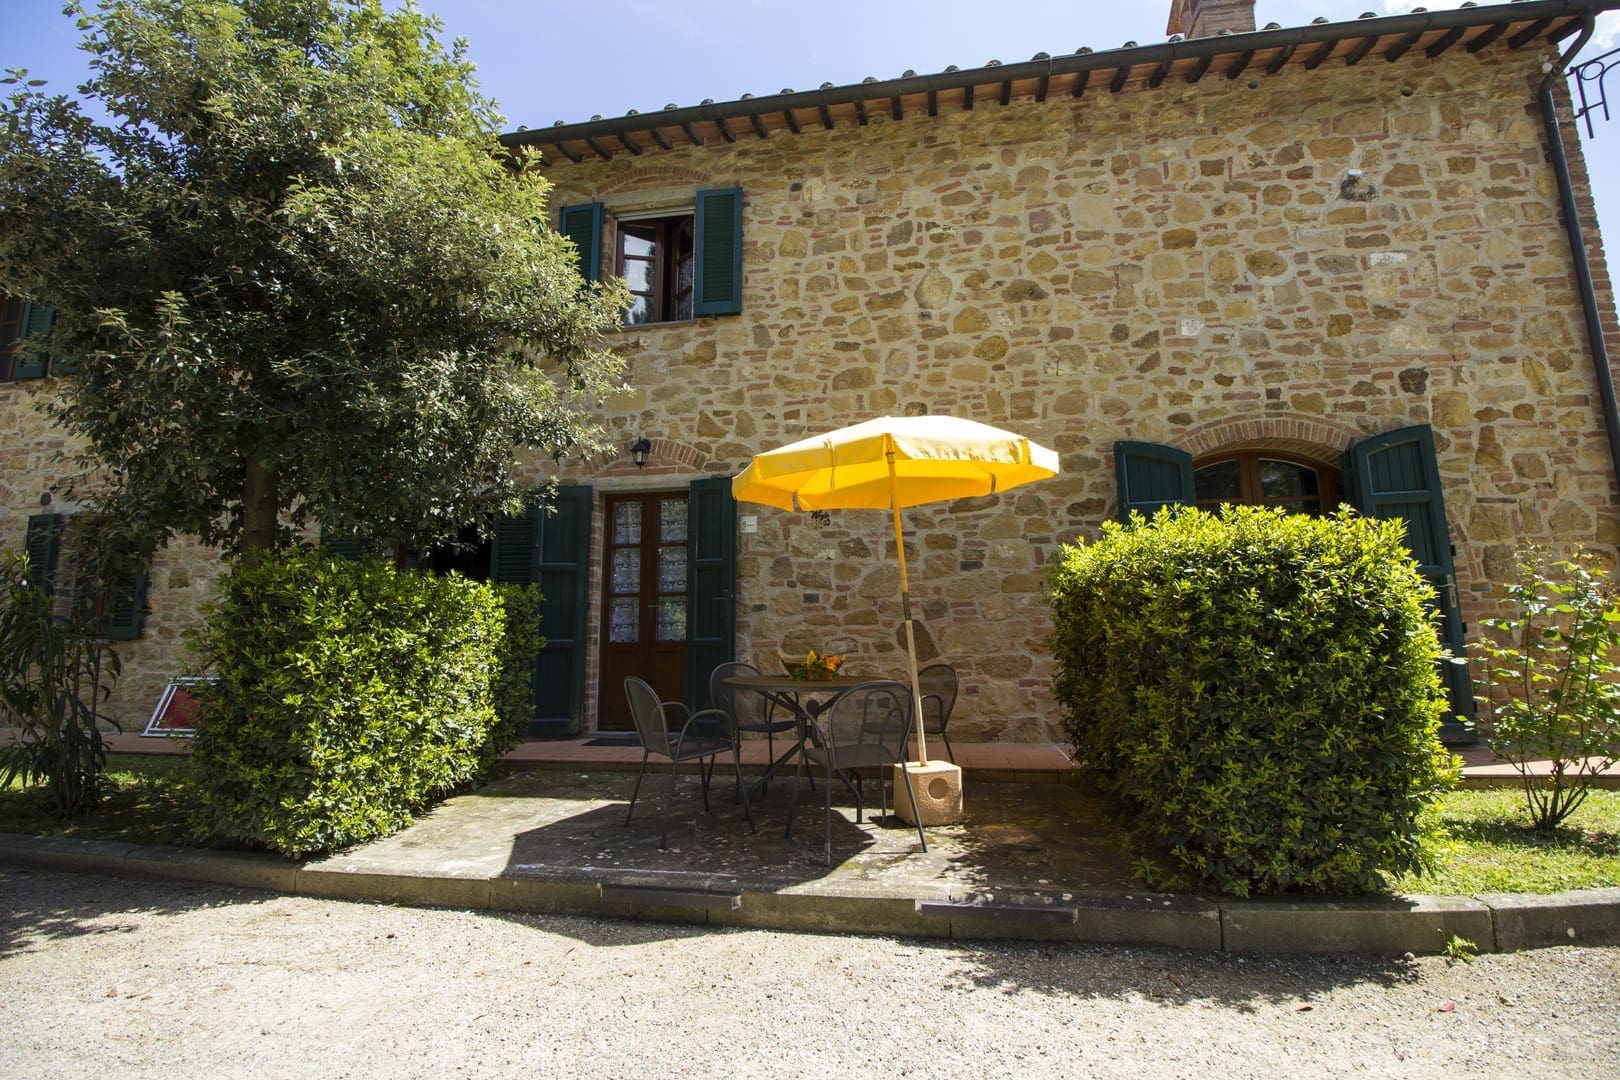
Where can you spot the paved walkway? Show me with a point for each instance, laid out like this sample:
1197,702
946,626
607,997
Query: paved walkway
1032,859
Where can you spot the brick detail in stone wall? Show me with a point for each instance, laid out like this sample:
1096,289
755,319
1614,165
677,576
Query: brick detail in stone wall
1205,18
1314,438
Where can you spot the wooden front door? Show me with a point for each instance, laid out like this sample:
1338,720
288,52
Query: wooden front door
644,600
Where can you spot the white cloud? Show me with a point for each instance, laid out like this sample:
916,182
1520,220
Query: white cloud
1608,33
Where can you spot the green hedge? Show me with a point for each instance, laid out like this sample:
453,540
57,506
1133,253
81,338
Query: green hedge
350,696
514,685
1259,691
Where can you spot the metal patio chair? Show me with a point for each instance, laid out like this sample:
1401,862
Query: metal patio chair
704,736
753,712
938,685
867,728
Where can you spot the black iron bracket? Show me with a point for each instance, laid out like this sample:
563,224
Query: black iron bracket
1590,88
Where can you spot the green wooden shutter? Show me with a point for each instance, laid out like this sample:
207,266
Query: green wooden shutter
511,562
42,541
583,225
563,548
37,319
125,608
1150,476
1395,475
511,549
717,254
344,547
550,546
711,584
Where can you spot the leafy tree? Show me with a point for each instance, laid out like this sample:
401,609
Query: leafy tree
302,281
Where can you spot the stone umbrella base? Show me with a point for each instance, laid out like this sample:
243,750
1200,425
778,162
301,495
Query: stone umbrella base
938,786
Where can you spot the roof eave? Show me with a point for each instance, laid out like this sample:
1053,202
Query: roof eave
1562,17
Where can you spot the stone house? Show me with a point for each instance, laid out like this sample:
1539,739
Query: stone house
1296,266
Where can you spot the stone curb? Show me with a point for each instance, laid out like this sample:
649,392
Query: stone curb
1492,922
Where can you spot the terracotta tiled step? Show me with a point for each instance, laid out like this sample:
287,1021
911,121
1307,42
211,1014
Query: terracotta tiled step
991,762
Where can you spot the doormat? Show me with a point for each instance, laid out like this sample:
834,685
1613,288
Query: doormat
615,738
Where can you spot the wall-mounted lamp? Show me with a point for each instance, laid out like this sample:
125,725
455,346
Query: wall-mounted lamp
639,451
44,498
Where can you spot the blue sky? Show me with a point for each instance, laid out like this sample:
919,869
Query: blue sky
545,61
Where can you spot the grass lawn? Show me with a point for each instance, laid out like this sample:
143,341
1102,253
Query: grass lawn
146,802
1490,847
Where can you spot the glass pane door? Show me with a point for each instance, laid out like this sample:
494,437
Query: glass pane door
644,600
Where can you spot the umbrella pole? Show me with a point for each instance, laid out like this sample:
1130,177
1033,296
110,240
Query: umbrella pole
905,611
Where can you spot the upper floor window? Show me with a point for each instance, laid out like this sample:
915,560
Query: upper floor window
680,263
655,260
1258,478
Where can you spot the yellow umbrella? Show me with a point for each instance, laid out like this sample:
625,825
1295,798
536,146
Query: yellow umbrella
890,463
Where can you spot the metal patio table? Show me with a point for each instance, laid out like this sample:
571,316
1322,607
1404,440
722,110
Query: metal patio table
791,694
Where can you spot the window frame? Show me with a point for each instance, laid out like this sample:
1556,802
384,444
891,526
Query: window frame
669,254
1330,485
20,320
717,243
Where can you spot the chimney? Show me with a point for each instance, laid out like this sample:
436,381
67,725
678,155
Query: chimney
1206,18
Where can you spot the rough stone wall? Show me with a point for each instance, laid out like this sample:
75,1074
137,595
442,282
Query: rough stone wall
1295,262
34,459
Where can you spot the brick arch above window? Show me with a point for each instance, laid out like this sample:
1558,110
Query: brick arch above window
652,178
1315,439
668,457
1305,438
1290,461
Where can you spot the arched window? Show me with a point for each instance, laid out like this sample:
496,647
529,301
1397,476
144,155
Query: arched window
1267,478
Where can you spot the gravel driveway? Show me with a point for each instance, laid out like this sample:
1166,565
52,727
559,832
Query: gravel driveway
105,977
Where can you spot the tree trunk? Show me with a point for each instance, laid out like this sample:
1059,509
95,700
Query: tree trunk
260,507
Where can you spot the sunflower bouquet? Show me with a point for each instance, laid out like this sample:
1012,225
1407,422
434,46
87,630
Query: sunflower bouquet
815,667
